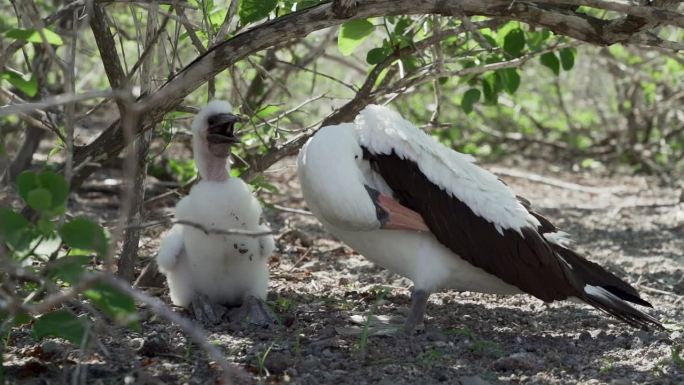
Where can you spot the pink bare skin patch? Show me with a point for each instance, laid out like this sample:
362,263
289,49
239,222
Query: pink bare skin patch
401,217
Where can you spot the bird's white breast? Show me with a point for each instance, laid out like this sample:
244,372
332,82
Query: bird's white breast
225,267
422,259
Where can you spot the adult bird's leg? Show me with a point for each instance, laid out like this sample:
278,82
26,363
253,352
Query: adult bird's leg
416,314
253,311
207,312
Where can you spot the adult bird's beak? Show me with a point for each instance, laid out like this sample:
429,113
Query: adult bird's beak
222,129
393,215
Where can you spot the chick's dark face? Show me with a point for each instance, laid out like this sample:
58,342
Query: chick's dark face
220,133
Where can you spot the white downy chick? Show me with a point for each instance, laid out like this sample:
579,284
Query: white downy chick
204,270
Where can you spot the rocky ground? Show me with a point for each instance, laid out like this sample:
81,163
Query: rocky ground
323,293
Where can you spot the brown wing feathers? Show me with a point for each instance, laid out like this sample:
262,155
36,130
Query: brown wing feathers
533,267
533,263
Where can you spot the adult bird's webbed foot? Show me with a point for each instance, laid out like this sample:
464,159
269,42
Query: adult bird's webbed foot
253,311
207,312
417,311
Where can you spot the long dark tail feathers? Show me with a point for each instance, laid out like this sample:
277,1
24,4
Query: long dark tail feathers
627,296
607,292
604,300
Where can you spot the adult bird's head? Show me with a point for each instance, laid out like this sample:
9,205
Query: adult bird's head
340,187
213,133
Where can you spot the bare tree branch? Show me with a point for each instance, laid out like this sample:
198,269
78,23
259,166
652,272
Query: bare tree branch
298,24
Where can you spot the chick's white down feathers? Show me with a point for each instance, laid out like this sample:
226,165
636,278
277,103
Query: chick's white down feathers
225,268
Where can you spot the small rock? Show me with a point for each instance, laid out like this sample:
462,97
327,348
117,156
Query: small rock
136,343
309,363
663,337
387,381
435,335
327,353
644,336
621,381
51,349
523,361
439,374
153,345
472,380
584,336
278,362
622,342
636,344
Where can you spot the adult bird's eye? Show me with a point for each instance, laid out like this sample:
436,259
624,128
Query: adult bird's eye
356,157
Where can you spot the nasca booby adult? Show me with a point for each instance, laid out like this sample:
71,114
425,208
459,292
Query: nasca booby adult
426,212
206,270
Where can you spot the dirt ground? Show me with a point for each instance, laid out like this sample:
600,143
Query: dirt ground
322,292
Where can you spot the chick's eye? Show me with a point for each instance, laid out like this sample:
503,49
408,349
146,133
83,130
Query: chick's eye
356,157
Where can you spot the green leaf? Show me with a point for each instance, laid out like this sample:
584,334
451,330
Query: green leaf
85,234
470,97
497,79
583,142
39,199
510,78
303,4
535,39
45,226
260,182
44,191
352,33
17,79
15,229
62,324
550,60
27,181
267,111
33,36
114,303
376,56
410,63
514,42
52,37
567,58
216,18
402,25
58,187
254,10
489,91
490,40
69,268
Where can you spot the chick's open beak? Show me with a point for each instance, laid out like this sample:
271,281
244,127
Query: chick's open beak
222,129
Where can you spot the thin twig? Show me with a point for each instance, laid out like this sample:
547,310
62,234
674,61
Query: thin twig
202,228
555,182
57,100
